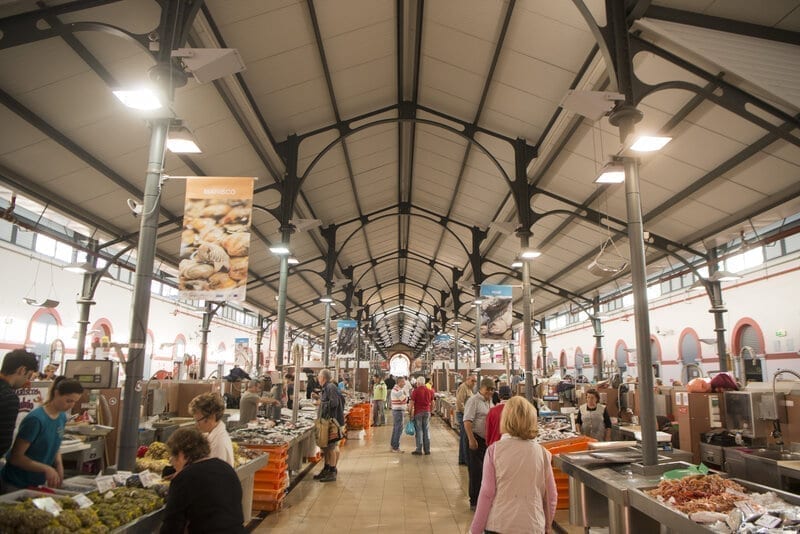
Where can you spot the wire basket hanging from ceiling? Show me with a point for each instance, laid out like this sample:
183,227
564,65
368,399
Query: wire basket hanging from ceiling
608,261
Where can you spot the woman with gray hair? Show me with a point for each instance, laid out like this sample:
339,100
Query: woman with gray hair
420,410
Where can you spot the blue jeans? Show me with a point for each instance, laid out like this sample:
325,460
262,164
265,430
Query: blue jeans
462,439
422,423
397,428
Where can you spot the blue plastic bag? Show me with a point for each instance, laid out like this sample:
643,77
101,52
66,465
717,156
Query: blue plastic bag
410,430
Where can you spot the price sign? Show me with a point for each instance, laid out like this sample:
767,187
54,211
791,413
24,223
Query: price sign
105,483
48,504
149,479
82,500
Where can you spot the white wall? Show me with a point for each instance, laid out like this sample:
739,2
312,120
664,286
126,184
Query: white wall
769,295
113,302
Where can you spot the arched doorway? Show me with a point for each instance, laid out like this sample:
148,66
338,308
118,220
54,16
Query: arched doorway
400,365
689,354
621,356
749,349
42,332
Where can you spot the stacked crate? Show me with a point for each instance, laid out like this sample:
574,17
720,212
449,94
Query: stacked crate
272,480
577,444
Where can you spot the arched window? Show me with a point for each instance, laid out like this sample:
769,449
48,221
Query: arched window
42,332
578,359
562,360
179,348
689,346
655,350
621,355
539,362
149,349
748,342
57,354
400,365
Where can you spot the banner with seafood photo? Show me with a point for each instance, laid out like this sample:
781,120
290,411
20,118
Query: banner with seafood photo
496,313
443,347
347,339
215,242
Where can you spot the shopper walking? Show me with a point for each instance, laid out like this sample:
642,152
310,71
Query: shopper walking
493,419
19,367
518,492
331,405
463,393
390,383
475,411
399,404
420,410
378,402
593,419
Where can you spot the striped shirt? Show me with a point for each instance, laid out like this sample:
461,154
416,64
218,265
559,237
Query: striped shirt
399,398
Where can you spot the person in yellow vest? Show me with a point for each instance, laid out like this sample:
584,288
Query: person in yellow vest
378,402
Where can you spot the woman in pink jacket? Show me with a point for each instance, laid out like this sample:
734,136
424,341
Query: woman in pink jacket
518,494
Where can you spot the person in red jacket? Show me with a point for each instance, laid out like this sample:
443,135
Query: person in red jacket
493,419
420,411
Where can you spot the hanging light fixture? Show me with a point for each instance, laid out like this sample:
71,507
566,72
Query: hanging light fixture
649,143
611,173
180,140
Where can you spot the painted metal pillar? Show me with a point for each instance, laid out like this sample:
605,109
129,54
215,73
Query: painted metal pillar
717,309
205,329
140,308
326,349
478,340
527,313
281,334
625,116
262,327
456,324
597,327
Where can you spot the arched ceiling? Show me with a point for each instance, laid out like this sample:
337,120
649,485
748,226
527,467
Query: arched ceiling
406,113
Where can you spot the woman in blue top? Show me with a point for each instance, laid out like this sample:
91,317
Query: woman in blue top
34,459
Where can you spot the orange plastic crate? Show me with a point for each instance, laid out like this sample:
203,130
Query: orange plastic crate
274,469
261,494
268,483
267,506
577,444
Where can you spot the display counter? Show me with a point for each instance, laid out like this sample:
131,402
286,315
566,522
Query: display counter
247,477
600,484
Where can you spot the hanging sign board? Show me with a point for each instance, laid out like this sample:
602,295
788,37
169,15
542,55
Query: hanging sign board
496,313
215,242
443,347
346,339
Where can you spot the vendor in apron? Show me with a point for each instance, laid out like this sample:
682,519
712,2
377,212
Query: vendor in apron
593,419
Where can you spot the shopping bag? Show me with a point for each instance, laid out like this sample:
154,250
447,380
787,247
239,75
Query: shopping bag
410,430
323,432
335,431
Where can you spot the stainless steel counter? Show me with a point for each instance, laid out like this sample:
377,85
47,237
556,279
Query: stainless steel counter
600,494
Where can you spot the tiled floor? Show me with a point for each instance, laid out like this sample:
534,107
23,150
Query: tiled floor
377,489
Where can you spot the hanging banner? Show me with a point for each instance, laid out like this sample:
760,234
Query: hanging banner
346,339
442,347
496,313
241,353
215,242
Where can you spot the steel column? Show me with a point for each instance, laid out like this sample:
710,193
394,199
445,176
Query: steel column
478,337
281,335
205,329
597,326
717,309
326,349
140,309
527,312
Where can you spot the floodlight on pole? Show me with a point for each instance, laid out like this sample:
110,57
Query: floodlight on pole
611,173
649,143
529,254
180,140
143,98
279,249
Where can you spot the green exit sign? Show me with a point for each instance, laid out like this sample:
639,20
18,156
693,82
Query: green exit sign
780,333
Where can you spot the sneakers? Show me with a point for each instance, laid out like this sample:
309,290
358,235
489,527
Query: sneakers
398,450
428,453
322,473
417,453
330,476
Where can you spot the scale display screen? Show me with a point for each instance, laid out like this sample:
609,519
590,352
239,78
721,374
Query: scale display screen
96,379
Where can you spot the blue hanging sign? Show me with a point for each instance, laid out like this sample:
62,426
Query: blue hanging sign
488,290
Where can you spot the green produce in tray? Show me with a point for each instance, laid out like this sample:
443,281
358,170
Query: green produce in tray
110,510
690,471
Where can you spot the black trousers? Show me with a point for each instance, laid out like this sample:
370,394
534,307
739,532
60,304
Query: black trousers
475,468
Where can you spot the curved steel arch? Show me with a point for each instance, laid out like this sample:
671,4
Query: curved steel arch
391,257
413,282
393,120
363,225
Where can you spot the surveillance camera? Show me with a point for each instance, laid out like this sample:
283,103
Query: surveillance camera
134,206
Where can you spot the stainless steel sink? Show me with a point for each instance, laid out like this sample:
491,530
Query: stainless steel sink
775,455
